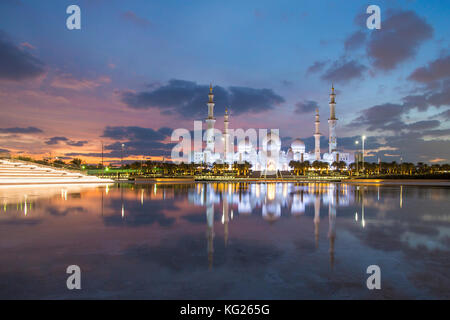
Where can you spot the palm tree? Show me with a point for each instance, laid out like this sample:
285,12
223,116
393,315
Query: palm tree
316,165
335,165
76,162
295,165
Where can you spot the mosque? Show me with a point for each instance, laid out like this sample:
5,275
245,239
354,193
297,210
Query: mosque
269,157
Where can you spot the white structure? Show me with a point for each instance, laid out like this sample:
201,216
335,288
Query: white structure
333,154
269,158
13,172
317,137
210,121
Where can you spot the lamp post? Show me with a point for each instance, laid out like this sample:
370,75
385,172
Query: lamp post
357,160
363,138
121,156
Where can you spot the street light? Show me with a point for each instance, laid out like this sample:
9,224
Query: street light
363,138
121,156
357,160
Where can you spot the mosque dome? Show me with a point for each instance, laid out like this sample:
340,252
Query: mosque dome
298,146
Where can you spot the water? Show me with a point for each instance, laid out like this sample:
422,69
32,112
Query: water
225,241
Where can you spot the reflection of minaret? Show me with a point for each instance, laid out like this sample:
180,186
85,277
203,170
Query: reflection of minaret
401,197
210,232
225,217
316,219
317,137
210,121
331,224
332,123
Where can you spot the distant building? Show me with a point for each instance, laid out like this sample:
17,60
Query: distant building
269,157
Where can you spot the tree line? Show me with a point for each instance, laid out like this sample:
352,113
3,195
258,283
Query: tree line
299,168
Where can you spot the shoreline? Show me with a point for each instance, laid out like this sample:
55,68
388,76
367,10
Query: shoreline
411,182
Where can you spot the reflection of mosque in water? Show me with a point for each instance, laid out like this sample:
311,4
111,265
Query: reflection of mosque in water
272,199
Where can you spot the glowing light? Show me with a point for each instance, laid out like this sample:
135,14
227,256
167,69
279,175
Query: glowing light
401,196
123,211
25,211
356,216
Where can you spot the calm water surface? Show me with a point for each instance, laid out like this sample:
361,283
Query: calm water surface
225,241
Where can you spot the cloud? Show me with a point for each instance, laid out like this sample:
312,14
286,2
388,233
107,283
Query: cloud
188,99
444,115
435,70
355,40
27,45
424,124
15,63
21,130
416,101
388,116
344,71
67,81
306,107
437,160
132,17
79,143
137,133
380,117
56,140
439,96
137,141
437,133
317,66
399,38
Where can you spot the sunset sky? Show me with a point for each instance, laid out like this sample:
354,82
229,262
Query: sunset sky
139,69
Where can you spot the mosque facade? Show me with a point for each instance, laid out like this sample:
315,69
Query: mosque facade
269,157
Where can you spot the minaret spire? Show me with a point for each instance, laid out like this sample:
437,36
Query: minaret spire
332,122
226,137
317,136
210,121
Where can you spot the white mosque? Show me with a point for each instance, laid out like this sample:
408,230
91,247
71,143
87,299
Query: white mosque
269,157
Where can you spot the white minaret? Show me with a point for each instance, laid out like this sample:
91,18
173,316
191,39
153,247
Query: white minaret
332,123
317,137
226,137
210,121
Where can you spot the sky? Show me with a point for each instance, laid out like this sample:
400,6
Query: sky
139,69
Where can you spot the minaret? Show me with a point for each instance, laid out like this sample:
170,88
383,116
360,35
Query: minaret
317,137
210,121
226,136
332,123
